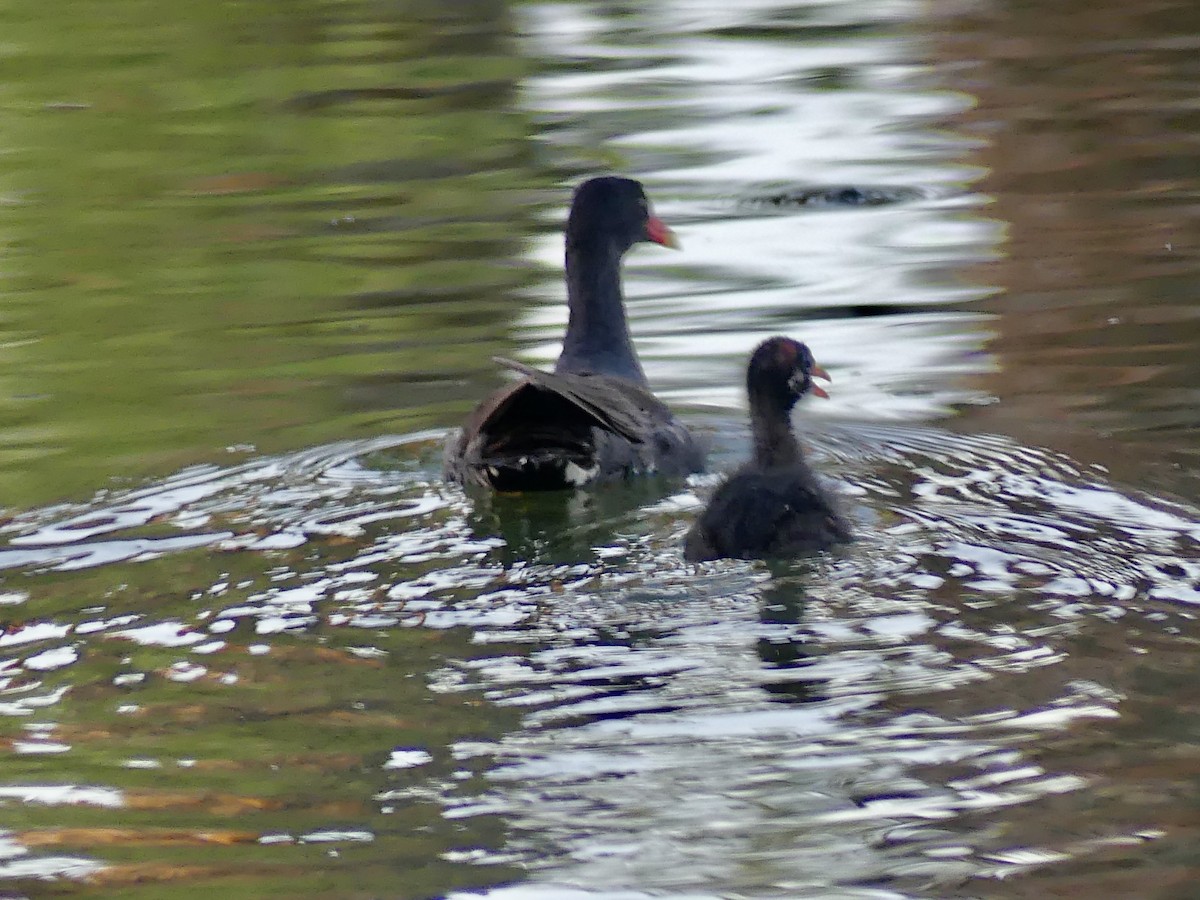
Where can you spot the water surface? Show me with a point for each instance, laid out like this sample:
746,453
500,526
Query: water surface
256,265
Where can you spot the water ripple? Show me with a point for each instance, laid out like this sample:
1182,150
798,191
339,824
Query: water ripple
884,698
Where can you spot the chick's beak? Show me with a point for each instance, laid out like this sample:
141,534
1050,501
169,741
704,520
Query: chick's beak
659,233
818,372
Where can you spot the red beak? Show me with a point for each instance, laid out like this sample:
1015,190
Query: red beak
816,389
657,231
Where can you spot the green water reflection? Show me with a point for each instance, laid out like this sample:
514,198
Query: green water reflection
257,224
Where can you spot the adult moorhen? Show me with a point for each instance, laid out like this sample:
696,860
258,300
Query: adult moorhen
773,506
592,418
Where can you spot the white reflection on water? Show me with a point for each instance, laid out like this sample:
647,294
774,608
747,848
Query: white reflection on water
768,124
881,708
50,867
60,794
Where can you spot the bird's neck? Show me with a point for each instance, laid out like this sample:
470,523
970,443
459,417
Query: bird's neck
774,442
597,338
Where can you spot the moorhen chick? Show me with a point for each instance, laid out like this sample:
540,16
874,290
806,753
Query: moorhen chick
773,506
593,418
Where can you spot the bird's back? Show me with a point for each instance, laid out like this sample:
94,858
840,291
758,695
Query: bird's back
555,430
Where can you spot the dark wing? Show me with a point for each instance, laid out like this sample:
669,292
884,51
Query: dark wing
550,419
613,404
491,407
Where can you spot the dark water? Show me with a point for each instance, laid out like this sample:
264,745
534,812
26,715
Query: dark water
256,260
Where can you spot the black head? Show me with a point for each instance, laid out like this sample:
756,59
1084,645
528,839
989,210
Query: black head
614,210
781,371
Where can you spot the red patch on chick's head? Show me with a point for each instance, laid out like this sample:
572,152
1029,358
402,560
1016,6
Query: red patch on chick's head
786,352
